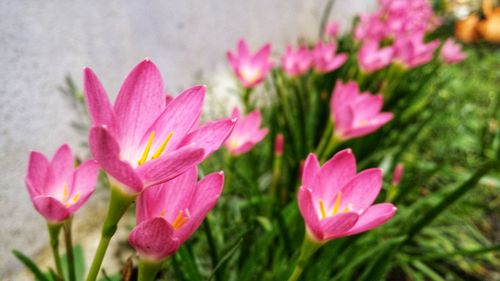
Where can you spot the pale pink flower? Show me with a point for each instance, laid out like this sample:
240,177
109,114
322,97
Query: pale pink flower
140,140
56,188
169,213
356,114
332,28
335,201
247,132
451,52
296,62
250,69
325,59
412,51
372,58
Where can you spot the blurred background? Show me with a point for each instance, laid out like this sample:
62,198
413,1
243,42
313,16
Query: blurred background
43,42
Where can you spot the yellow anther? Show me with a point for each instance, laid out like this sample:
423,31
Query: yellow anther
346,209
160,149
178,222
75,198
65,191
322,208
162,212
145,154
68,205
337,203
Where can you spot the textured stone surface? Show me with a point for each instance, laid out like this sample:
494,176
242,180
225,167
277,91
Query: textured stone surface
42,41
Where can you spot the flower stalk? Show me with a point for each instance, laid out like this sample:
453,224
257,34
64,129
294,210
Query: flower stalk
309,247
148,270
54,230
69,249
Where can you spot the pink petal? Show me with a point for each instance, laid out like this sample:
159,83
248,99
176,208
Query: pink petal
336,226
244,148
262,56
84,181
260,135
180,116
153,239
140,101
334,175
37,174
207,193
170,165
373,217
344,119
374,124
100,110
51,208
61,170
311,171
308,212
243,51
368,107
106,152
362,191
211,136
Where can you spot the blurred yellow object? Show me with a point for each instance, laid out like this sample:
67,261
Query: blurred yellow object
465,30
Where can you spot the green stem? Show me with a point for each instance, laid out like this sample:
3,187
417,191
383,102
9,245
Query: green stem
332,145
54,230
327,134
391,192
148,270
118,205
309,247
246,99
69,250
275,180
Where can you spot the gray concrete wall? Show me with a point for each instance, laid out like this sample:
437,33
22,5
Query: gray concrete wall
42,41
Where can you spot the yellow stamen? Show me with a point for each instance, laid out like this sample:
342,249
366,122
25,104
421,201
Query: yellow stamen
160,149
75,198
322,209
145,154
68,205
65,191
178,220
162,212
346,209
337,203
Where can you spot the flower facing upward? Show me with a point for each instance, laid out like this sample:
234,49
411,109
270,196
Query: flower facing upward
412,51
296,62
372,58
57,190
247,132
250,69
168,214
142,140
336,202
451,52
324,57
356,114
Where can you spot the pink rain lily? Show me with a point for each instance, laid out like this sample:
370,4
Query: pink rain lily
250,69
169,213
356,114
332,29
296,62
412,51
398,174
336,202
56,188
247,132
451,52
372,58
324,57
146,138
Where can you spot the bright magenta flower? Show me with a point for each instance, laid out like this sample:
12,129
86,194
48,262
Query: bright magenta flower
296,62
142,141
169,213
336,202
324,57
412,51
451,52
372,58
56,188
332,28
356,114
250,69
247,132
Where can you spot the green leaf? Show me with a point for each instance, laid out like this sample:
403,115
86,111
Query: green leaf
30,264
79,263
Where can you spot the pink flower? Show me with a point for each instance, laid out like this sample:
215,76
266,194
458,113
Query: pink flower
169,213
246,133
336,202
451,52
142,141
279,142
56,188
356,114
324,57
372,58
412,51
398,174
332,28
250,69
296,62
